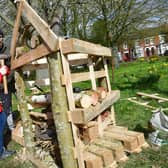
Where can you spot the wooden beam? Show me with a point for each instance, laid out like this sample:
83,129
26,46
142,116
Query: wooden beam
33,67
39,52
78,46
16,31
141,103
41,27
41,82
83,76
152,96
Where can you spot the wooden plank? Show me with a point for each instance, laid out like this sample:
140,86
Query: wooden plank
113,119
115,146
105,154
140,103
68,84
41,82
78,46
77,56
41,27
84,115
90,133
32,55
92,75
152,96
116,128
107,75
130,143
16,31
92,161
110,99
78,62
79,146
83,76
33,67
124,130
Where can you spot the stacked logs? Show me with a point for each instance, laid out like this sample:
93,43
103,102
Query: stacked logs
88,98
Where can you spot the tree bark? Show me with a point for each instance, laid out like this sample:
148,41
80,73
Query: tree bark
60,109
26,121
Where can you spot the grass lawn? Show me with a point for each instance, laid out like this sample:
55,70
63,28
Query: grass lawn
149,77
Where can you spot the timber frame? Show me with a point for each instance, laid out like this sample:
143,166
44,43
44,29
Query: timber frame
61,54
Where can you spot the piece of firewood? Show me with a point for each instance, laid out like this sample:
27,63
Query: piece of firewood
38,115
45,98
94,96
82,100
102,92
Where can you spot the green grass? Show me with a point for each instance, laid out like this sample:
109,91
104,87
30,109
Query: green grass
149,77
137,77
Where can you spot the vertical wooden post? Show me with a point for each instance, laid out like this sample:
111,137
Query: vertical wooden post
26,121
60,108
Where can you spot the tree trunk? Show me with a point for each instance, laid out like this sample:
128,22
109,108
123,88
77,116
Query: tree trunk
26,121
60,109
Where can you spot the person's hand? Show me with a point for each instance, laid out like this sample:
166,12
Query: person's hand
4,70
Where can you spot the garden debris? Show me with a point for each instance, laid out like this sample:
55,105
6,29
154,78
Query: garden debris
153,96
159,122
140,100
133,99
158,138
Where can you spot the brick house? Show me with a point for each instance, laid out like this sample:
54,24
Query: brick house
146,47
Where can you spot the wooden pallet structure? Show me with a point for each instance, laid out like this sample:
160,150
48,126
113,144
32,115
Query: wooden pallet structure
87,137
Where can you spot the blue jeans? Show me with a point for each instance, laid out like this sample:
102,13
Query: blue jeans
2,126
7,108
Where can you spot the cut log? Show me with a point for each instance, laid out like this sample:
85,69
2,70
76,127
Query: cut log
38,115
94,96
82,100
102,92
41,99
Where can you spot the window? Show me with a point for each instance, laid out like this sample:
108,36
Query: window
137,43
162,39
125,46
151,41
147,41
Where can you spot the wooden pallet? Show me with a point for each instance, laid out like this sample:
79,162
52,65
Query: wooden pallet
133,141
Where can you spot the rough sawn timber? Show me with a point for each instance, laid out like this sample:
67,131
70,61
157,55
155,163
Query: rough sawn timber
78,46
39,52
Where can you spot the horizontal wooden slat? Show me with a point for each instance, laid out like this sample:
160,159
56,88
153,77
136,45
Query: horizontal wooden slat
32,67
39,52
78,46
78,62
41,82
77,56
83,76
41,27
82,116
